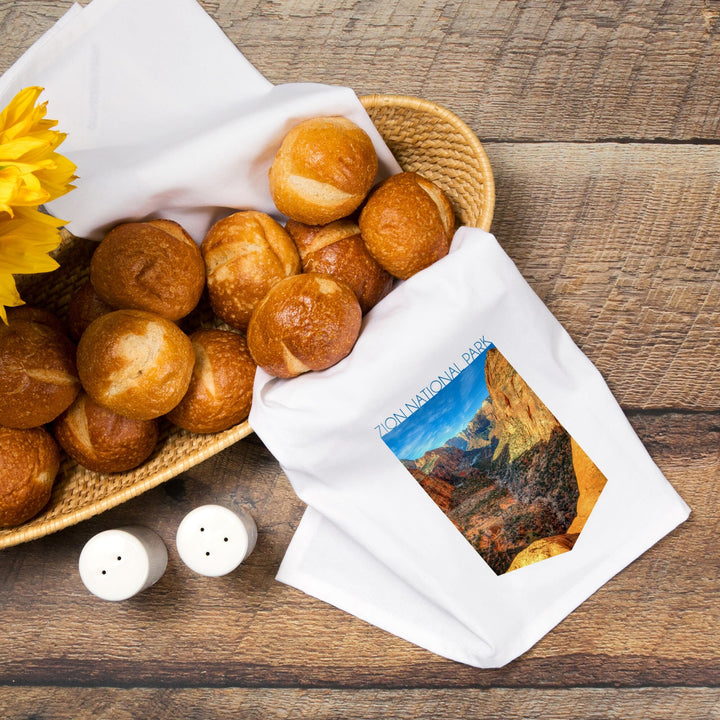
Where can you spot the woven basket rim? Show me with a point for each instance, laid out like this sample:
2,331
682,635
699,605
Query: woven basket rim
410,102
22,534
34,530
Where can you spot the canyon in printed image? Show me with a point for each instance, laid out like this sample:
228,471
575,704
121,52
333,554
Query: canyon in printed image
500,466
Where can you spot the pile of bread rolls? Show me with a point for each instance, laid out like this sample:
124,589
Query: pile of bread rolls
289,299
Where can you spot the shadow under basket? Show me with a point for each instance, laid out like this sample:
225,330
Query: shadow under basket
424,138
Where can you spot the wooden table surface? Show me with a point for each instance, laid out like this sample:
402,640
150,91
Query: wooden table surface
601,119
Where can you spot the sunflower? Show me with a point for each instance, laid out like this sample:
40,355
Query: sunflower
31,173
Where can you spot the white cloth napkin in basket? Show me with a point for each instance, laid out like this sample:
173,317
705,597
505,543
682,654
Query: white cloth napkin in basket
166,118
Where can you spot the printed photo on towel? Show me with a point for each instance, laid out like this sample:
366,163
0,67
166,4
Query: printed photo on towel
498,463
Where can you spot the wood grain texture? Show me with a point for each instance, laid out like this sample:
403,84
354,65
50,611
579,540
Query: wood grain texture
621,242
654,624
519,71
514,70
329,704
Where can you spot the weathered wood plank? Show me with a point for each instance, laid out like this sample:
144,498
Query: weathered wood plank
579,70
517,70
654,624
325,704
621,242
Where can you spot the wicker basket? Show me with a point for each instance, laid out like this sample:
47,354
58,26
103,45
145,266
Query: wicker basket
424,138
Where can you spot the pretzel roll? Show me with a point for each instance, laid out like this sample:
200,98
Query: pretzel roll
337,249
407,224
29,462
85,306
323,170
245,255
154,266
38,377
101,440
306,322
135,363
221,386
30,313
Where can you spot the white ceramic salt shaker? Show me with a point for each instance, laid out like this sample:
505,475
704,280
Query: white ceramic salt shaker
118,564
213,540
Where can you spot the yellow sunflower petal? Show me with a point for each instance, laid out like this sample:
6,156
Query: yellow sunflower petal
27,141
26,168
30,233
9,296
57,181
23,101
31,173
30,196
18,256
10,184
21,114
34,215
24,263
22,188
20,147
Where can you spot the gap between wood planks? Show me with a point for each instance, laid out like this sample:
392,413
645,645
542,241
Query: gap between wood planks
603,141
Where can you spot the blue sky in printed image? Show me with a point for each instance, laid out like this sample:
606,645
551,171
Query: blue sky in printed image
443,416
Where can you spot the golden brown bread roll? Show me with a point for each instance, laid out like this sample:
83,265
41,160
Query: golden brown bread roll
101,440
407,224
323,170
38,378
30,313
220,391
85,306
306,322
135,363
29,462
337,249
245,255
154,266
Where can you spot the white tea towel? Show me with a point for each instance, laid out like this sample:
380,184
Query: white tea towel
449,446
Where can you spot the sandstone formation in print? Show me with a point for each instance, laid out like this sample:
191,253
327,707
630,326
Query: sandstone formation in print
498,463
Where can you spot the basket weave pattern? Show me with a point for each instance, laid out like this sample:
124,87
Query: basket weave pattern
424,138
430,140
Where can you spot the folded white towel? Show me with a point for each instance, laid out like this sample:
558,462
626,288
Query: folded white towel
428,466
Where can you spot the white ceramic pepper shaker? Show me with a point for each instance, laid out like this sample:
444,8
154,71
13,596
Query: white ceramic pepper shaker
213,540
118,564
